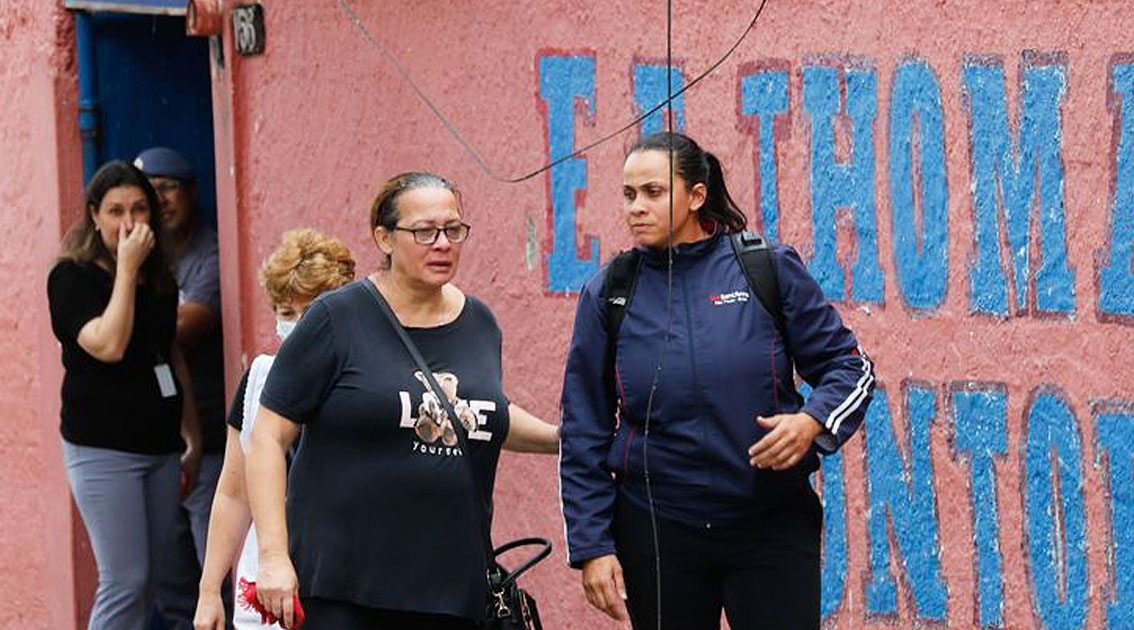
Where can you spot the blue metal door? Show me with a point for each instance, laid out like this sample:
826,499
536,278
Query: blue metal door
142,83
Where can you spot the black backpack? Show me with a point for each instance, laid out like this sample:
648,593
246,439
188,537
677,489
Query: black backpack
753,253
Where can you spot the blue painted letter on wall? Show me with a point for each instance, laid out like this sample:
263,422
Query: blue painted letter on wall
902,500
980,417
1005,177
650,90
834,535
765,96
1116,441
1116,281
836,184
922,260
563,80
834,497
1056,522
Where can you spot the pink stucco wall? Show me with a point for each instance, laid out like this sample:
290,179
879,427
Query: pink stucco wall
39,160
306,132
323,118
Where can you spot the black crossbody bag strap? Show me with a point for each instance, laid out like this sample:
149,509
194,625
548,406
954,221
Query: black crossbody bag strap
478,492
458,428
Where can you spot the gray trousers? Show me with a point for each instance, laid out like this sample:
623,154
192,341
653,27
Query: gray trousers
128,502
177,583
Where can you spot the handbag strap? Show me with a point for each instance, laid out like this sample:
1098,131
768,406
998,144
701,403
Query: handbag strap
545,550
458,428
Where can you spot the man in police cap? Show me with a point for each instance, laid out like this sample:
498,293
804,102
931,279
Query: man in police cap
193,246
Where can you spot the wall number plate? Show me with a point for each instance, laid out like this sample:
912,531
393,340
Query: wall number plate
248,29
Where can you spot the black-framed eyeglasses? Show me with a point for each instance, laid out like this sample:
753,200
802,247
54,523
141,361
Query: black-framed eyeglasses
166,186
429,235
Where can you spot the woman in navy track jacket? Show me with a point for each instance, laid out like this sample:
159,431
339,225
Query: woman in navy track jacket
693,453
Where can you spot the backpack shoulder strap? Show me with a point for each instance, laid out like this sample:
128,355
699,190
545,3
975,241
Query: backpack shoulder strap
759,264
617,291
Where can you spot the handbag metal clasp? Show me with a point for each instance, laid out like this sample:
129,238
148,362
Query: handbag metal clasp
502,609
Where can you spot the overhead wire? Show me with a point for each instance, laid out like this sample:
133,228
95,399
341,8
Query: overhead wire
476,155
668,317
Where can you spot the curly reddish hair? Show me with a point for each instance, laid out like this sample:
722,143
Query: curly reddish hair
306,264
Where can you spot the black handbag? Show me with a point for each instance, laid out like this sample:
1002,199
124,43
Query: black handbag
508,607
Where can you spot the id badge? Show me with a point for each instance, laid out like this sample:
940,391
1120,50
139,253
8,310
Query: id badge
165,380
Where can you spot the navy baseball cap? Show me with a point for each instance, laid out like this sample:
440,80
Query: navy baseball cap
164,162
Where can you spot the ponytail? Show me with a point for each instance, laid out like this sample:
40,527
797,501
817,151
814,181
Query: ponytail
697,166
719,205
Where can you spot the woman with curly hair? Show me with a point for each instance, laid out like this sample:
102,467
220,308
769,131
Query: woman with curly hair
305,265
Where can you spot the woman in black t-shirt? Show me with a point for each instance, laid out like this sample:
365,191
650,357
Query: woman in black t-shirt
124,416
380,527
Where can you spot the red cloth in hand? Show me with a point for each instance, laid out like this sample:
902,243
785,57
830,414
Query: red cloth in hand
249,601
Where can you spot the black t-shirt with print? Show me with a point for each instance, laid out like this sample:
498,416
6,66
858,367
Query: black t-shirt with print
380,504
114,405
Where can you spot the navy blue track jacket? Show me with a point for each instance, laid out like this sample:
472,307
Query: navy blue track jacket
723,365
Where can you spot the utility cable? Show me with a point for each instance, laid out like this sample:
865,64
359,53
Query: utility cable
476,155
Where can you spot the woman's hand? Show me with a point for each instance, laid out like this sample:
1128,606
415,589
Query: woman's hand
210,611
529,434
106,337
265,480
788,439
190,468
134,246
190,425
277,586
602,581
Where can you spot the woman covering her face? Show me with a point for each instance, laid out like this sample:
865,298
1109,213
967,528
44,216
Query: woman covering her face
304,266
127,416
380,528
685,442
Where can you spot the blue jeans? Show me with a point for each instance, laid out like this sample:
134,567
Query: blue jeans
128,502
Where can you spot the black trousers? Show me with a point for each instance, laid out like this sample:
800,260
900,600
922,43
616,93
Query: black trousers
332,614
765,575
